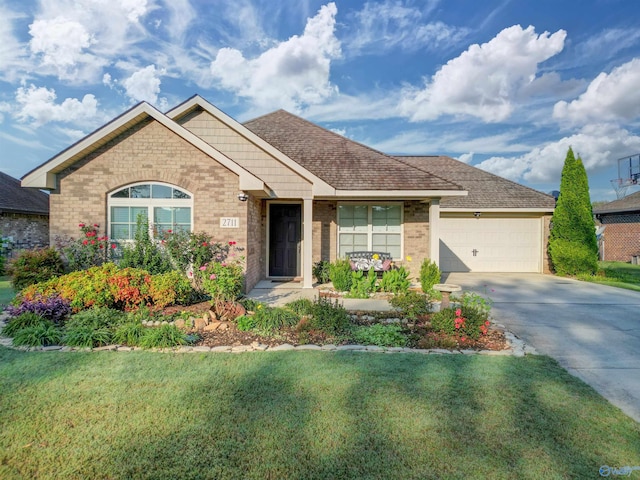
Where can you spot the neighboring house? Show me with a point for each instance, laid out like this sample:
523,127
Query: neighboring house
620,219
24,215
290,193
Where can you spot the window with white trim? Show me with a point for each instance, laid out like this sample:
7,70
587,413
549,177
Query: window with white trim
370,227
164,206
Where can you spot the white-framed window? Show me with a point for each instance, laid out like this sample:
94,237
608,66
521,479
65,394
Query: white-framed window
164,206
370,227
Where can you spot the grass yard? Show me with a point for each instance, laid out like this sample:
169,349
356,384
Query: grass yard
6,291
302,415
616,274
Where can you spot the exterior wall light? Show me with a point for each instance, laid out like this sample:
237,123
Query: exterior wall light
243,197
477,214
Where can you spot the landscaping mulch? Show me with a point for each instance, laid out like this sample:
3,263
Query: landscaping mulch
422,337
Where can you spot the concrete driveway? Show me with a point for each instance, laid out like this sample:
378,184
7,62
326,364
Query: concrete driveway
592,330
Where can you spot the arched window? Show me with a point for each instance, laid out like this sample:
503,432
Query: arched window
164,206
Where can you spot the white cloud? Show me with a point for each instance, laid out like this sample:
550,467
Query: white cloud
75,39
466,157
37,106
599,145
62,43
485,80
380,27
289,75
613,96
144,85
12,52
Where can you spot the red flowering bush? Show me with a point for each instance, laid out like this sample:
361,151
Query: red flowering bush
90,250
470,320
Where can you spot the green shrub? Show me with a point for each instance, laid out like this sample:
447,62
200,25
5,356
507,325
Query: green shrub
222,281
23,321
170,288
340,275
411,304
429,275
472,301
395,281
129,333
250,304
86,336
301,306
443,321
272,319
144,253
380,335
572,258
246,323
40,335
35,266
362,286
164,336
98,317
321,270
329,317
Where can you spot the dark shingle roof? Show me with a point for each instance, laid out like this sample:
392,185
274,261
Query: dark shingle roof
629,203
15,199
486,190
342,163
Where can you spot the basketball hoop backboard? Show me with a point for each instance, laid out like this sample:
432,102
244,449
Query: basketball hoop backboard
628,174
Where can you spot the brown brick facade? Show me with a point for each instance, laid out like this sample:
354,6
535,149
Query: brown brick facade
325,230
621,239
151,152
416,236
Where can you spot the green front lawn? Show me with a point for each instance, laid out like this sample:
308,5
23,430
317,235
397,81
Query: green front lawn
303,415
6,292
616,274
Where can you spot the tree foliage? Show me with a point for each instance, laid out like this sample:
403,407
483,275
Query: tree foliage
573,247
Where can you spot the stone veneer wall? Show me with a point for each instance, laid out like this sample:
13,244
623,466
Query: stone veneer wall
149,152
25,231
621,236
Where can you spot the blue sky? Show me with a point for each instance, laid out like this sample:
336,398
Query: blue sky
503,85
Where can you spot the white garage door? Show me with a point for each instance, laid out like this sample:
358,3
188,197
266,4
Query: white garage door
490,244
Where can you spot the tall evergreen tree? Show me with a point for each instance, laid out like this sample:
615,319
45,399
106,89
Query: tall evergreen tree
573,246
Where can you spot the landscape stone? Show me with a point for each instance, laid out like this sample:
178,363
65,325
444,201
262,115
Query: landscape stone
283,347
221,349
309,347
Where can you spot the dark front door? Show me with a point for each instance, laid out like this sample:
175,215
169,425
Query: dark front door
284,240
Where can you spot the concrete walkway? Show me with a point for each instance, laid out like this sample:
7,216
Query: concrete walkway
592,330
280,293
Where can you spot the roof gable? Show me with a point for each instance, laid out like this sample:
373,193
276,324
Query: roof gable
341,162
630,203
486,190
16,199
44,176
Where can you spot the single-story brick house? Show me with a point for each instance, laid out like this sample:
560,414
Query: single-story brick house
24,215
291,193
621,235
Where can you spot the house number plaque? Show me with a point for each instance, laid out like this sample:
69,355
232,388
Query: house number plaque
229,222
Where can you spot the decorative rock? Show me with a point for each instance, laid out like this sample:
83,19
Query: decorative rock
328,347
212,326
206,317
179,323
440,351
212,316
224,326
164,322
124,349
375,348
309,347
51,348
468,352
220,349
6,342
105,348
396,350
241,348
281,348
184,349
351,348
200,323
201,349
